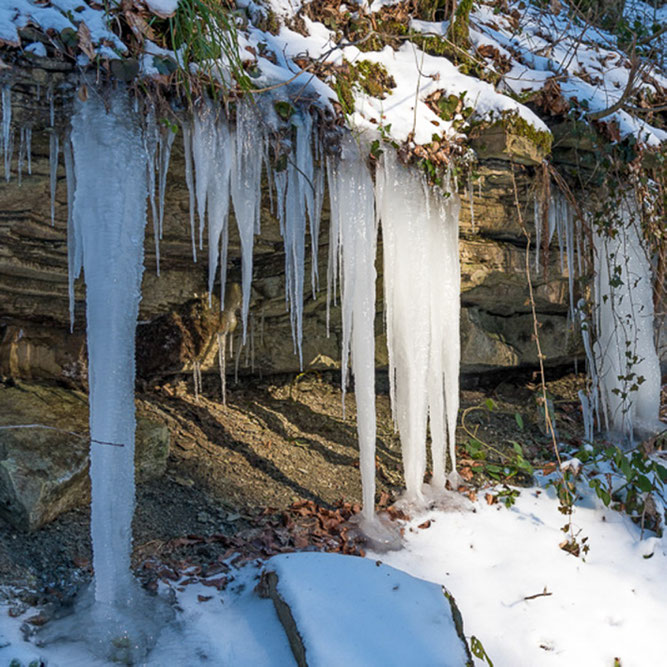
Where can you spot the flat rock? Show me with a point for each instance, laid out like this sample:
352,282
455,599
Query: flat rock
44,471
345,610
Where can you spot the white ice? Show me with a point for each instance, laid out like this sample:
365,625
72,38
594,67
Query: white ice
627,363
353,215
422,301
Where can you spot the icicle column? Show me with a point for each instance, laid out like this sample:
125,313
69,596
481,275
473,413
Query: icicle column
353,216
627,363
108,220
422,300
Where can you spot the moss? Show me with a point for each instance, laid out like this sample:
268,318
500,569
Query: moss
371,78
515,124
458,32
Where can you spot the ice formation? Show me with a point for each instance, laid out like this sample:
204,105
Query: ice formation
626,360
107,239
353,218
422,288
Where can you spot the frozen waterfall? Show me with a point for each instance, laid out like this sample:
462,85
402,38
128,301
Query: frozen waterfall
107,238
626,360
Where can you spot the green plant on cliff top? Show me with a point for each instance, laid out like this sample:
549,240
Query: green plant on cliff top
203,33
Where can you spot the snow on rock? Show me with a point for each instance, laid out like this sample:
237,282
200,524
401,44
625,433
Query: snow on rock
352,611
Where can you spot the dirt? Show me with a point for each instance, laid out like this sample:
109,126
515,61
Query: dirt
239,474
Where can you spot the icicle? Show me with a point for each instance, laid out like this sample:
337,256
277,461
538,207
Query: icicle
165,141
246,192
537,214
189,179
470,199
150,146
203,147
6,129
334,242
196,378
28,143
222,343
53,172
21,156
109,216
74,241
422,296
218,206
353,215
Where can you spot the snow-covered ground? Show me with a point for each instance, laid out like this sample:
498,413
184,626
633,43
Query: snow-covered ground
493,560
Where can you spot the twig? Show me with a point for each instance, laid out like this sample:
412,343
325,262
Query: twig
61,430
543,594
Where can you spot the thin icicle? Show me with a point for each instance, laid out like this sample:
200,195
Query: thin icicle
203,146
353,214
21,155
222,366
166,138
218,205
74,241
189,180
6,129
28,144
150,146
53,172
246,192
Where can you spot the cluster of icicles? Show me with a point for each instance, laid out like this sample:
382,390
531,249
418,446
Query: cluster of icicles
116,170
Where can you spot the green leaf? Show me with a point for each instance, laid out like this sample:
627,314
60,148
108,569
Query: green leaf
490,405
478,650
519,420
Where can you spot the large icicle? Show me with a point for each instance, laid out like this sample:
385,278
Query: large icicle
625,355
352,212
109,217
246,192
422,300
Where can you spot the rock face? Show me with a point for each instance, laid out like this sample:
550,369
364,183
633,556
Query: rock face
176,327
44,471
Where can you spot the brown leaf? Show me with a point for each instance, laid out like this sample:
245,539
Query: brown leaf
204,598
426,524
491,499
85,41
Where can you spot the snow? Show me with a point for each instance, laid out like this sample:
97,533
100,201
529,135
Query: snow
355,612
612,604
162,8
